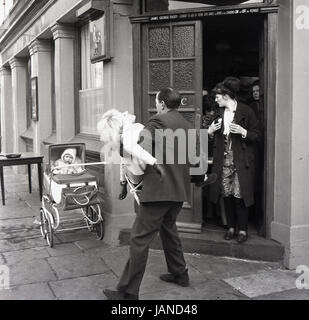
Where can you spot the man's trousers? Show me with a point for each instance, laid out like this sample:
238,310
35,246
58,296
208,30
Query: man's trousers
152,218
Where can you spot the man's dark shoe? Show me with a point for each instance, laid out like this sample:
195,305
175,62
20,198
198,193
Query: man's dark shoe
211,178
182,279
118,295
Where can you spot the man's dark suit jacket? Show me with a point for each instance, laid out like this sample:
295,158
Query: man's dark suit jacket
175,185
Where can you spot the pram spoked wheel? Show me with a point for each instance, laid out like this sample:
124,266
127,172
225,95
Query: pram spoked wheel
93,212
46,228
43,226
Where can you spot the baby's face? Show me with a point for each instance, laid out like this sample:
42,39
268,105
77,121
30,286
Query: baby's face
67,158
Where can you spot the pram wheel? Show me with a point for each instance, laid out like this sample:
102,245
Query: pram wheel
46,228
50,232
43,226
93,212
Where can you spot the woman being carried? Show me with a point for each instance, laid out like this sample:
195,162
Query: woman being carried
119,132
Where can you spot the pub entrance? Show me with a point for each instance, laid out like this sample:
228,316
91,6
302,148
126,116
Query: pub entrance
192,55
234,46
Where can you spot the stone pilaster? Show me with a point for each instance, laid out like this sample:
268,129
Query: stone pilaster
290,225
117,78
40,52
6,110
19,102
64,37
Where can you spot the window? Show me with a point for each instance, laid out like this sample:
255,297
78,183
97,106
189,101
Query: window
91,92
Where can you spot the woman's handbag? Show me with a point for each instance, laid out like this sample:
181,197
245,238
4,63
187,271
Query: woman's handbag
77,197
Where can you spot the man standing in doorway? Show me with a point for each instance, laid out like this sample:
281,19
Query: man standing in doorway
161,202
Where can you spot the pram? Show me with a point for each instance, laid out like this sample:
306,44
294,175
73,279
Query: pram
70,201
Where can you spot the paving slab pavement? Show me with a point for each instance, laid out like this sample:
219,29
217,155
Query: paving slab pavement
79,266
37,291
264,282
291,295
83,288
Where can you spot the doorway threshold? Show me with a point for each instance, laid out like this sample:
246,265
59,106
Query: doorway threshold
211,242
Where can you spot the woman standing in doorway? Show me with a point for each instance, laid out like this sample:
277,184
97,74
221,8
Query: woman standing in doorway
235,133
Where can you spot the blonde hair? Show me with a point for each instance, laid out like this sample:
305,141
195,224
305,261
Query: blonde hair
109,128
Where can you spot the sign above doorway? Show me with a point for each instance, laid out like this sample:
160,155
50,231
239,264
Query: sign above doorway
197,15
225,2
218,2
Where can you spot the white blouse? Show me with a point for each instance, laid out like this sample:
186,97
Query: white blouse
228,117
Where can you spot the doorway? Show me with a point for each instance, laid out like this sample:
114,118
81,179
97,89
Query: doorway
233,46
194,54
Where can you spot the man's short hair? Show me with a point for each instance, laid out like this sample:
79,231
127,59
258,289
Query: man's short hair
170,97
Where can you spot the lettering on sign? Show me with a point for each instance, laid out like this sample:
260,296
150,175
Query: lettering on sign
194,15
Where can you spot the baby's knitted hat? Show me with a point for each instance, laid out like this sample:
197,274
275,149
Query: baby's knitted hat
71,152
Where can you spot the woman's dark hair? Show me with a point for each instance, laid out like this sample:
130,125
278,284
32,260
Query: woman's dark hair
255,83
170,97
229,86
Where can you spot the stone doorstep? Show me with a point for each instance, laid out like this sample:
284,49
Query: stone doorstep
212,243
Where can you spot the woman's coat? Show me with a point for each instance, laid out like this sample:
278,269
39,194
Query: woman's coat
243,151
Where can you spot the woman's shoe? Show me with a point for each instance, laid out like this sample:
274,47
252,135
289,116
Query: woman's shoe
229,235
241,238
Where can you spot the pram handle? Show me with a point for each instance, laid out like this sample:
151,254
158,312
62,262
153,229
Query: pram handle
78,164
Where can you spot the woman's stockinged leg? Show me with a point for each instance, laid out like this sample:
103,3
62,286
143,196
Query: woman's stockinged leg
242,220
229,207
242,215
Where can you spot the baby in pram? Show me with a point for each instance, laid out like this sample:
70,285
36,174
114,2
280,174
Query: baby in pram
68,157
64,161
119,132
58,177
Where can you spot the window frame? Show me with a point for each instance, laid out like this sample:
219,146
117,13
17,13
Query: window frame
78,76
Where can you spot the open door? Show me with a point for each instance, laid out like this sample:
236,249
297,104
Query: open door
172,56
261,205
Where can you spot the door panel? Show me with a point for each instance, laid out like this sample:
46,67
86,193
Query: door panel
172,56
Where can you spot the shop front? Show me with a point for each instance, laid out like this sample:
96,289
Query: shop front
192,45
62,65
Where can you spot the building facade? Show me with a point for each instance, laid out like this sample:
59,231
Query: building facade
65,62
